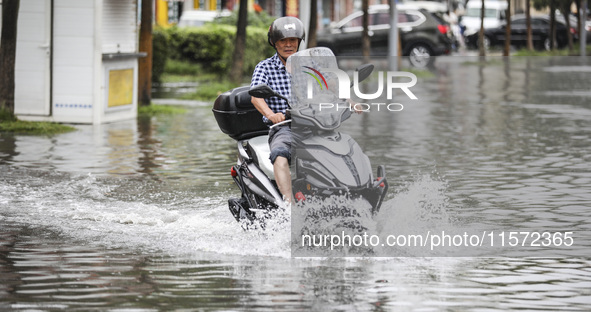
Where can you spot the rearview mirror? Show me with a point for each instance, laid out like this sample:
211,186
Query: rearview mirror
262,91
363,72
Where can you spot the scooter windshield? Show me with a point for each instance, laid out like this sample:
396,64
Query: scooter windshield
312,81
314,85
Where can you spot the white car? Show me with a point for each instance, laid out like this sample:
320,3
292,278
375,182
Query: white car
494,15
199,17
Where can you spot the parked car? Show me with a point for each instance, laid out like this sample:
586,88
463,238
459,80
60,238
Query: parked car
494,15
540,25
422,34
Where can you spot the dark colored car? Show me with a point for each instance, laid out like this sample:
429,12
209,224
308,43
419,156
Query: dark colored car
422,34
540,26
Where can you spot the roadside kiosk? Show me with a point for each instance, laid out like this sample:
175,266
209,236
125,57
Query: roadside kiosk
77,61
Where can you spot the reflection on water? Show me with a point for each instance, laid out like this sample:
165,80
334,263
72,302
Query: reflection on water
181,148
39,273
133,215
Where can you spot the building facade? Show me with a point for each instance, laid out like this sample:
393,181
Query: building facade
76,61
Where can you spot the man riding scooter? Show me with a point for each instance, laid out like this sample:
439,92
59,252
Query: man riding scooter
285,35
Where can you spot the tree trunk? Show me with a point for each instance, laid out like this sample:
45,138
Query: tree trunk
507,30
553,44
530,40
365,41
145,63
313,23
8,53
569,35
582,32
481,48
240,43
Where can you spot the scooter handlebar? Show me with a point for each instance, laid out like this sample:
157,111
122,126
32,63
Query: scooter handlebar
280,123
287,120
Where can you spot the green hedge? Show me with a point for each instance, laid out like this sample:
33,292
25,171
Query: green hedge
211,46
260,20
160,51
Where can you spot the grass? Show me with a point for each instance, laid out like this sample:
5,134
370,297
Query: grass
210,85
497,60
154,110
180,71
33,127
561,52
9,123
209,91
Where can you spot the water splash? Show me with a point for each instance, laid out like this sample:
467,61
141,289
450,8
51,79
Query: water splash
339,226
421,207
421,204
96,211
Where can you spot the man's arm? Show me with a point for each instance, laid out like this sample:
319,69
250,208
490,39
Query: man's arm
264,109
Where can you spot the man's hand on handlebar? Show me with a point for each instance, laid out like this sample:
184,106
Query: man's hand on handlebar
276,117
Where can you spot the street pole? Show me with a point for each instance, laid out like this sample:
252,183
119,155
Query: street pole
393,37
304,8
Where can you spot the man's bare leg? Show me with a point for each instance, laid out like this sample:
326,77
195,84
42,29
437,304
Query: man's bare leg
283,177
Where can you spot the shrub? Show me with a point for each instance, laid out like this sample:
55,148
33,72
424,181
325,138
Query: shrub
212,46
182,68
211,91
160,52
260,20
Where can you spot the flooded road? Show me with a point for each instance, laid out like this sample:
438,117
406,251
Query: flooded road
133,215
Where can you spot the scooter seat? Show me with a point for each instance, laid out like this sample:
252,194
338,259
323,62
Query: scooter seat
259,146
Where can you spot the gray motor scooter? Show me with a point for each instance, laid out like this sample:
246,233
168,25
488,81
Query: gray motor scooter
325,162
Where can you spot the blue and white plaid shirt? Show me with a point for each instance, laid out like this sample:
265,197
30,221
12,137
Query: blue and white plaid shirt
272,72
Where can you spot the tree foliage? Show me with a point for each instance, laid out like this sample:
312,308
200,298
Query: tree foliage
261,19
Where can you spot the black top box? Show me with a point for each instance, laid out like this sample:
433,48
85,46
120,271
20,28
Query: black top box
236,116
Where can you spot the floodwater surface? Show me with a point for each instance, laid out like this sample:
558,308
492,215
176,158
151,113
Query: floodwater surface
133,215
